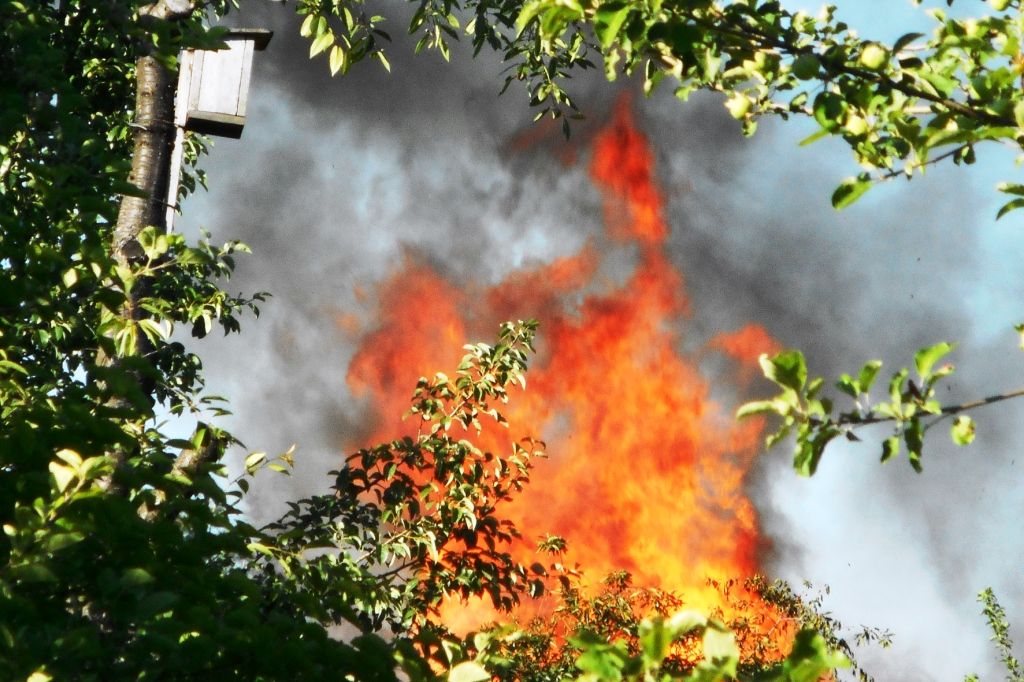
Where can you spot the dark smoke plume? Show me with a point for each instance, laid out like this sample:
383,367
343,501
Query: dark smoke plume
335,179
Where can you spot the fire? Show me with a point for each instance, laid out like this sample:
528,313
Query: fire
646,472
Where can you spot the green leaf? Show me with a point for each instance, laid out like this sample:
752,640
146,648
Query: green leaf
806,66
261,548
134,577
926,358
70,277
850,190
943,85
337,59
773,439
810,449
684,622
810,658
320,44
867,374
606,661
738,105
905,40
1018,113
254,461
157,602
761,407
962,431
890,448
59,541
154,330
913,436
33,573
1010,206
527,14
896,388
608,21
654,639
13,367
153,242
62,475
787,369
813,137
1011,188
847,385
720,647
72,458
468,671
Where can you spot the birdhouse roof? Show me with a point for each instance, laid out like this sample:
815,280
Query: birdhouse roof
259,36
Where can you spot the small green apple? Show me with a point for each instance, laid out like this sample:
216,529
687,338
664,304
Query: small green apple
874,56
806,66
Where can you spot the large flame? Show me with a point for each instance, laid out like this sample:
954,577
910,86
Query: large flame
646,472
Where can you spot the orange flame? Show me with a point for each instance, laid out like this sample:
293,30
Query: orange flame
646,472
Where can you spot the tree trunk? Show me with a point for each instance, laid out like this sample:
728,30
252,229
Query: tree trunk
154,138
154,133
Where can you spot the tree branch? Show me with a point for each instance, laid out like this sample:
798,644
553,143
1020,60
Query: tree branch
853,420
749,32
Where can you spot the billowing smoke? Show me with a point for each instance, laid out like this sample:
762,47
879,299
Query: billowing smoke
337,182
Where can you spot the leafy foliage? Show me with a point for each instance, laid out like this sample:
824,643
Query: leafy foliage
627,632
116,562
900,107
124,553
911,407
653,652
997,622
414,520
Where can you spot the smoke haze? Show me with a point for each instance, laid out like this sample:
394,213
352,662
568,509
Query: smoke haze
338,182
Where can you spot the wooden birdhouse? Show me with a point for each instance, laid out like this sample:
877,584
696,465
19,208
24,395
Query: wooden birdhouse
213,90
213,85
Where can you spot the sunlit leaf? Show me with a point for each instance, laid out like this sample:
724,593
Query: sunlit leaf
468,671
850,190
962,430
926,358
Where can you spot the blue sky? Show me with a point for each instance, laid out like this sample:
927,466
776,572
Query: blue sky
333,179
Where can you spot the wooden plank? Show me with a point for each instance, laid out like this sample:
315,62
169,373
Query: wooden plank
243,81
181,96
195,79
259,36
215,123
221,79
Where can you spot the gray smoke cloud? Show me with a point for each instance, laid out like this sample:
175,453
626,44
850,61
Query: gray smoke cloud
335,179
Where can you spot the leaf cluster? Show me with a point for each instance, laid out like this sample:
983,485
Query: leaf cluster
116,560
626,632
911,407
412,521
900,107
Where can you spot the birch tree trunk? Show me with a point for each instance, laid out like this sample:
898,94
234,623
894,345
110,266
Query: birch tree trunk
154,138
154,134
